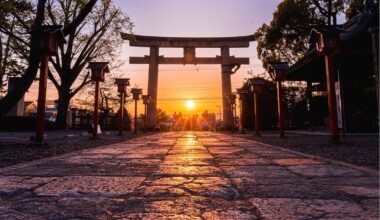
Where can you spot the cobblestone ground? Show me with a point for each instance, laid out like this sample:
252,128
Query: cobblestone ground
187,176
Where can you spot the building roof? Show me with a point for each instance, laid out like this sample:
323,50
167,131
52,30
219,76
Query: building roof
311,66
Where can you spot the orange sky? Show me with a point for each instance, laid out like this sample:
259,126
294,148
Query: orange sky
178,83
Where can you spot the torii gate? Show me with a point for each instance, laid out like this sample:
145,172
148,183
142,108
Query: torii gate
229,64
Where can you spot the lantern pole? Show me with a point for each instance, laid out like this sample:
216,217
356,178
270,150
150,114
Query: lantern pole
256,86
121,88
51,38
98,69
146,99
280,108
277,73
136,96
327,44
330,82
121,114
135,116
145,118
257,114
96,110
42,98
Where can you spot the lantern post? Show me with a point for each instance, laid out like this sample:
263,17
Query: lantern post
136,92
51,38
277,73
146,99
232,100
327,43
256,86
98,70
122,84
242,93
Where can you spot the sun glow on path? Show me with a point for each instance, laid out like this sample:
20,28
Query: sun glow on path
190,104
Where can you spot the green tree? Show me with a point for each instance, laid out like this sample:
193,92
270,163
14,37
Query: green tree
285,38
162,118
98,38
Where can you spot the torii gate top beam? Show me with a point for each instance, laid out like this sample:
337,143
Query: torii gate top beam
197,42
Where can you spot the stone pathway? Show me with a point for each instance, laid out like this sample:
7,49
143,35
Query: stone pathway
187,175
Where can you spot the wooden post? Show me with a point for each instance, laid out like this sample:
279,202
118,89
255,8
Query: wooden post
309,95
42,98
145,118
280,108
330,83
241,116
96,110
121,114
153,86
257,114
135,116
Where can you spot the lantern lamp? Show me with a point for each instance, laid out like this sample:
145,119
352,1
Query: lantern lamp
122,83
277,70
232,99
51,38
241,93
98,70
136,92
146,99
326,40
256,85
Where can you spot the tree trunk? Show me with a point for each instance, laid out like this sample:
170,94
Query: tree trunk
63,107
26,81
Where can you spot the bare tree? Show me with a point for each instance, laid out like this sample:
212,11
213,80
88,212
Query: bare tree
97,38
33,55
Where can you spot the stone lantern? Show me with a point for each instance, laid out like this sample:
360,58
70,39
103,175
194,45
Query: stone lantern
50,39
98,70
242,93
136,92
146,100
256,87
277,73
122,84
327,43
232,100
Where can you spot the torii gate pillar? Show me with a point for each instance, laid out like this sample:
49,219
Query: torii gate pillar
153,87
226,88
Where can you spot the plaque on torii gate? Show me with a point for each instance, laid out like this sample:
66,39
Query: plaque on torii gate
229,64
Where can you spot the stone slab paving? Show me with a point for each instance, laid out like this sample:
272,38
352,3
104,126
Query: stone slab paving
187,175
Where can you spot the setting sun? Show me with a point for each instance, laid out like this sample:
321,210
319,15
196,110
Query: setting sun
190,104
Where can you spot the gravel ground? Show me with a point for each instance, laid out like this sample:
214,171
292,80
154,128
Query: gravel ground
19,149
357,150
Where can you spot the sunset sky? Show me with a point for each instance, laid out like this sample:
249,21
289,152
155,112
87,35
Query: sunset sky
196,18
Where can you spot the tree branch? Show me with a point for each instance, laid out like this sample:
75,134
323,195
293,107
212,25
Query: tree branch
80,18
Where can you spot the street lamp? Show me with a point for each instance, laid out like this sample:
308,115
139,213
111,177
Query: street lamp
277,73
327,42
146,99
256,86
242,93
232,100
136,92
98,70
122,84
51,37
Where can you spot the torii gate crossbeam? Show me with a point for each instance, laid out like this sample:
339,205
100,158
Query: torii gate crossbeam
229,64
